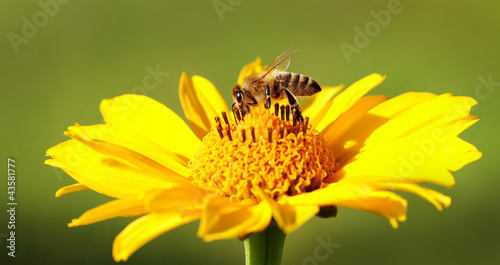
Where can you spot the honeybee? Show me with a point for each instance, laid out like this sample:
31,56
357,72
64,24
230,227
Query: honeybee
273,84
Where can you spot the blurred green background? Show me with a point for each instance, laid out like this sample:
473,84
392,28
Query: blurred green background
80,52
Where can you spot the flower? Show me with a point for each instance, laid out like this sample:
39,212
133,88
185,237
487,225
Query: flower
351,150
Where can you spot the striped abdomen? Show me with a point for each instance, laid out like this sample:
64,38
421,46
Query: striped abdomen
297,84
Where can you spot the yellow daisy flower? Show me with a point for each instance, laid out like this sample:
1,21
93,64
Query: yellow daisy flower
267,169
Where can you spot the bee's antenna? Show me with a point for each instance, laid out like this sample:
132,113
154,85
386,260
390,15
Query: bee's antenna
277,58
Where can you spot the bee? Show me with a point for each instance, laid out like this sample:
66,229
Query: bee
273,84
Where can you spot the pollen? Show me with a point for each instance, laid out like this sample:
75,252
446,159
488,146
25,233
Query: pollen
280,155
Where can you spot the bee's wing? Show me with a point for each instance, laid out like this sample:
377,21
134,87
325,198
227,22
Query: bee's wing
283,60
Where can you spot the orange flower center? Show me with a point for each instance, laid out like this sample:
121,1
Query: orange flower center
279,155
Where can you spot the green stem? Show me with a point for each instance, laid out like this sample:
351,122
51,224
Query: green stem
266,247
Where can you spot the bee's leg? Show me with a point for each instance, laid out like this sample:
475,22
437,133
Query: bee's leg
294,104
268,97
236,113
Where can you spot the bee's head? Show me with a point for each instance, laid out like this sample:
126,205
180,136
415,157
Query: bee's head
239,100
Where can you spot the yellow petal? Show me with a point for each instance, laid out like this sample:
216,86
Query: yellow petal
187,197
362,197
70,189
116,208
173,172
145,229
222,219
294,216
151,120
348,145
437,199
456,127
104,174
424,156
335,130
288,217
428,115
250,69
428,150
103,135
201,103
401,103
346,99
317,105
